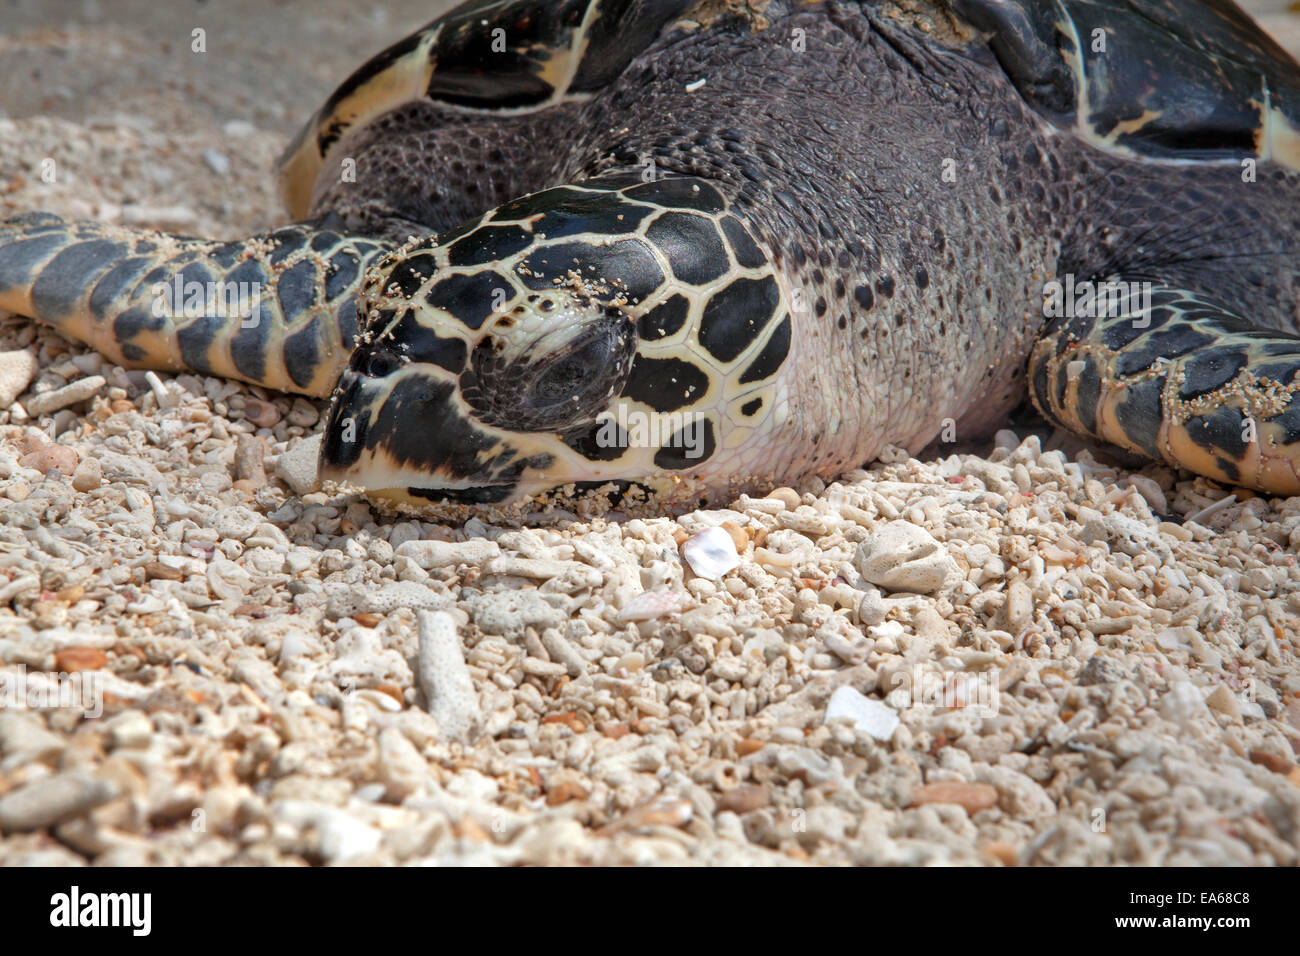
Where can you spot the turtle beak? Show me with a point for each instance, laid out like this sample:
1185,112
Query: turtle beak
340,449
403,436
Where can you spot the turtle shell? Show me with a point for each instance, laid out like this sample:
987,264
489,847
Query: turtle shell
1189,80
485,55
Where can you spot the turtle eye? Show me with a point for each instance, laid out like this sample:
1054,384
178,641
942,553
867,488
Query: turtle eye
381,363
549,390
563,380
579,381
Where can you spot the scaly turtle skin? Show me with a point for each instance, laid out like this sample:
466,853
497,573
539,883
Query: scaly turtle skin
710,247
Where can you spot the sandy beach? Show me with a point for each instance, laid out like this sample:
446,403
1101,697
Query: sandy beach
1015,653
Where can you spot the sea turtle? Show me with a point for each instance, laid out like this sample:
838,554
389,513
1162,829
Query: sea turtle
708,246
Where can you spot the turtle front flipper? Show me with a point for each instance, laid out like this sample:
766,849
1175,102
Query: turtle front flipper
276,310
1174,375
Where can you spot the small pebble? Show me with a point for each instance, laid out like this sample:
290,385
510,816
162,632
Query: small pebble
51,457
650,605
78,391
903,557
216,161
17,370
303,413
73,659
88,475
972,797
52,799
298,465
262,414
787,496
443,677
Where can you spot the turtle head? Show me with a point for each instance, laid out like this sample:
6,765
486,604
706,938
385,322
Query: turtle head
430,408
555,342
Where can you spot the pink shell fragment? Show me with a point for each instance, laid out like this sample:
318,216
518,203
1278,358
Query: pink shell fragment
649,605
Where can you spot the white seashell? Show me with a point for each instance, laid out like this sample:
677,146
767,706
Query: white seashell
889,629
227,580
1175,638
869,716
872,609
711,553
379,700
